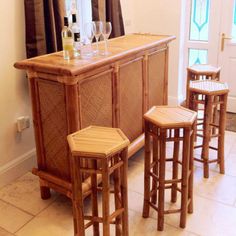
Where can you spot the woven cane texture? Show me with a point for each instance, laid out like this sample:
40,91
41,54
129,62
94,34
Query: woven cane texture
209,87
156,79
53,118
204,69
131,111
96,101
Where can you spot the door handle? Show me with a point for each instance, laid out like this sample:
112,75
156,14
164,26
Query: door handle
223,38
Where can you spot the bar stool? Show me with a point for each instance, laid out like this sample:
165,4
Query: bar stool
106,151
201,72
213,96
168,124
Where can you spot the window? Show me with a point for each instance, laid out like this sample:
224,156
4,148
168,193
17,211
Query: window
199,20
83,9
198,32
234,22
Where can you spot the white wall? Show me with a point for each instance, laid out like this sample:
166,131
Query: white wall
158,17
16,149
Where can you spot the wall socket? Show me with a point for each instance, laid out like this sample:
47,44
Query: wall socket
22,123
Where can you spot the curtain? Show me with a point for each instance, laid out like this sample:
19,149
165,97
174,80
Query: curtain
44,22
113,14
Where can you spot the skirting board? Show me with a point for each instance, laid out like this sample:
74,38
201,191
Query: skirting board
17,167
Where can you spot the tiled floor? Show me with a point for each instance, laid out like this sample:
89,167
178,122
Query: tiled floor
23,213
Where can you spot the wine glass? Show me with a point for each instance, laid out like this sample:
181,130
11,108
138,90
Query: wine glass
97,31
106,31
88,29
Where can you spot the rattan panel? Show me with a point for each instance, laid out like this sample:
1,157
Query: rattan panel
96,101
156,78
53,118
131,102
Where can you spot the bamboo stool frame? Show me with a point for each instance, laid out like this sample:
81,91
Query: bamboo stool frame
211,100
202,72
109,162
156,138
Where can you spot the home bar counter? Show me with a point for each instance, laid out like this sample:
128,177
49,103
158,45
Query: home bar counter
114,90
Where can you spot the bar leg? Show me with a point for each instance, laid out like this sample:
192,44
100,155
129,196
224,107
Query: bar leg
155,170
221,139
175,167
184,184
147,160
105,197
161,195
206,134
124,192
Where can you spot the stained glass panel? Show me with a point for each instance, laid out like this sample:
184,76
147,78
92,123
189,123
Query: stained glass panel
199,20
234,22
197,56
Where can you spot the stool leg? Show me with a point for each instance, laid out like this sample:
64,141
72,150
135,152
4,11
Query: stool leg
45,192
161,192
206,134
215,114
147,161
124,191
175,167
77,197
155,170
184,183
221,139
94,198
117,195
191,169
105,197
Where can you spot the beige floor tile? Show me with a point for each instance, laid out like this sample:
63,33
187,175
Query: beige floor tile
218,187
230,165
210,218
140,227
5,233
136,176
25,194
11,218
56,220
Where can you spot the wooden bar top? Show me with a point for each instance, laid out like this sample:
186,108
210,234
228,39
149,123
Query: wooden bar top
118,47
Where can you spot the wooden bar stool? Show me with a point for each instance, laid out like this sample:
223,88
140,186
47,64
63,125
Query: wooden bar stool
105,149
201,72
213,95
168,124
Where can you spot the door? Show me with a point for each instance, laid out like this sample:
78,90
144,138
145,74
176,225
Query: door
227,50
207,21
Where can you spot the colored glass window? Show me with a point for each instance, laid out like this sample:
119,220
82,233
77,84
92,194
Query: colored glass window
199,20
197,56
234,22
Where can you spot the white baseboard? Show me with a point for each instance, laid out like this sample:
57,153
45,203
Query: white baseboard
17,167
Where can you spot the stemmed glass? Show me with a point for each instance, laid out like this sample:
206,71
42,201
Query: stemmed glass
97,31
106,31
89,33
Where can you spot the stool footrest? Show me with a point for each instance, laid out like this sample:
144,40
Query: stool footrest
117,165
116,213
166,211
93,218
208,161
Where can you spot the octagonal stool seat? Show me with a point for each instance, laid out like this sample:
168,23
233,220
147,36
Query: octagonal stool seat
105,149
213,95
202,72
168,124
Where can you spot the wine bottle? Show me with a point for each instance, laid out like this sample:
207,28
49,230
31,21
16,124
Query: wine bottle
76,35
67,40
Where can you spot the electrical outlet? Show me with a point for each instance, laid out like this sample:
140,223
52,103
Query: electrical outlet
22,122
